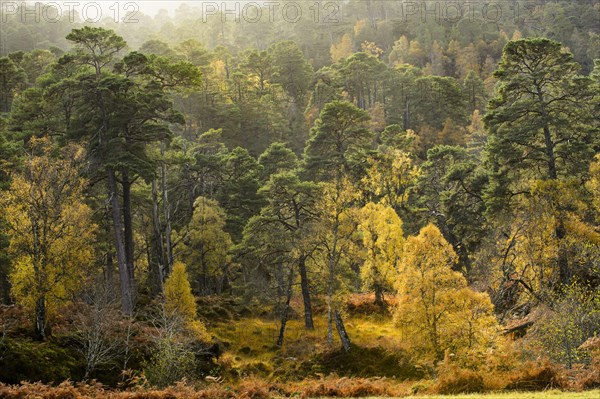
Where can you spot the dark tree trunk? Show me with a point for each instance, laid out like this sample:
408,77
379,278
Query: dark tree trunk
308,318
339,324
457,245
355,267
406,119
191,196
379,300
203,278
126,291
128,229
548,142
563,258
286,308
552,174
168,248
157,253
225,283
109,276
463,256
109,271
562,261
4,96
42,330
4,288
280,283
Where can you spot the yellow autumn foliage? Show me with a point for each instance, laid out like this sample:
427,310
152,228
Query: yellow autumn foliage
205,244
382,237
531,251
390,176
178,293
180,302
50,230
343,49
437,311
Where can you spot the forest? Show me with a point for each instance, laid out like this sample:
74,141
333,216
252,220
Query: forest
299,199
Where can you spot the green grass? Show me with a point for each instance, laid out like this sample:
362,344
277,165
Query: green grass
250,346
553,394
250,351
253,338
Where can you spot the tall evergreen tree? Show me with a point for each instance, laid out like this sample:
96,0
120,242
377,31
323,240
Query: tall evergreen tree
540,127
338,143
539,120
124,106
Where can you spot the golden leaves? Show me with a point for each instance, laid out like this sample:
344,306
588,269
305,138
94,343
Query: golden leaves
50,227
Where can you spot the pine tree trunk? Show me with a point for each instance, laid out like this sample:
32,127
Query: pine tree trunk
225,283
128,230
126,294
203,275
191,197
552,174
109,279
548,142
286,308
168,248
157,253
4,288
280,284
563,259
406,121
304,285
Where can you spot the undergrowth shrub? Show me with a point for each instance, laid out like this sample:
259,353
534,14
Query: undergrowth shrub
591,377
363,362
334,386
255,389
252,388
216,308
536,377
66,390
590,380
364,304
561,330
171,362
256,368
24,359
454,380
